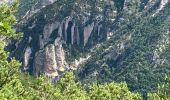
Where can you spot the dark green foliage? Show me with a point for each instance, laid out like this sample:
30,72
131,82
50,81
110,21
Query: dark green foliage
163,92
112,91
7,19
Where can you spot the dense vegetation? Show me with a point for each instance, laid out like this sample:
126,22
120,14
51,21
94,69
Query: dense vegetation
129,55
163,91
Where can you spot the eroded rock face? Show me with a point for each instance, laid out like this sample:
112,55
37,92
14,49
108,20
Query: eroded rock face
87,32
42,44
60,55
47,31
26,58
50,60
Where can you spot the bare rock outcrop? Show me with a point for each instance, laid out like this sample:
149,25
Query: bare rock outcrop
50,60
27,57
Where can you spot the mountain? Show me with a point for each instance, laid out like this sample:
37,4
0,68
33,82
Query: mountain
138,51
106,40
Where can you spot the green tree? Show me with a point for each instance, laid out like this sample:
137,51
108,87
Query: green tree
70,89
112,91
163,92
7,19
10,84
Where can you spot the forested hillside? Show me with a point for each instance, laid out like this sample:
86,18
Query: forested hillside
137,53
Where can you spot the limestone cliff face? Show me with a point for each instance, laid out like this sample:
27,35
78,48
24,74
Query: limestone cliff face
50,60
26,58
42,44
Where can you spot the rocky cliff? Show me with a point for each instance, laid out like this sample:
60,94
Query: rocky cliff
50,60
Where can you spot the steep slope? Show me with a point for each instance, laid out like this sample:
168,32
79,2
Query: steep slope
137,53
